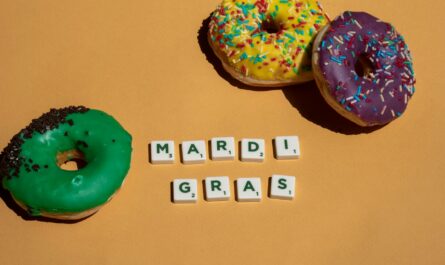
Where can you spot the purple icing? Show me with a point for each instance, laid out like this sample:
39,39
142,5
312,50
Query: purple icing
381,96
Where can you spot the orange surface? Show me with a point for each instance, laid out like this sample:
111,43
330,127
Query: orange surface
363,197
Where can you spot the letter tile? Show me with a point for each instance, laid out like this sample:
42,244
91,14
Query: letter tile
248,189
287,147
217,188
223,148
185,190
162,152
252,150
193,152
282,187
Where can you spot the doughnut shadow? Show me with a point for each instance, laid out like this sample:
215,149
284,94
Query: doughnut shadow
311,105
304,97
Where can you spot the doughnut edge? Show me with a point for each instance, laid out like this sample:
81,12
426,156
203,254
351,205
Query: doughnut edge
306,77
323,85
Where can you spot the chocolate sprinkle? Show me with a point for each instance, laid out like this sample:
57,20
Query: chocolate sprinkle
35,167
10,160
82,143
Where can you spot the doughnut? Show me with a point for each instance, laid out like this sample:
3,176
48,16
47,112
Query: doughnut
363,69
266,43
31,166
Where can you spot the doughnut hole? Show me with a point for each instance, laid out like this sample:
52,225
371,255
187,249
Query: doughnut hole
71,160
364,67
270,26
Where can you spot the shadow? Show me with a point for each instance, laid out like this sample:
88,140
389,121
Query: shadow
172,198
304,97
311,105
274,148
239,150
181,156
235,183
11,204
149,154
204,189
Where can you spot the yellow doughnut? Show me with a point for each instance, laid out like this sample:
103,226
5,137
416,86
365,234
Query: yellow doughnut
266,42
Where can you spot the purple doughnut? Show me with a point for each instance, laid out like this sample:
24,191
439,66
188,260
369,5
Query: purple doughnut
381,93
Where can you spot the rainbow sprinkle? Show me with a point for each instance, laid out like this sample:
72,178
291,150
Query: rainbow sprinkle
381,95
237,29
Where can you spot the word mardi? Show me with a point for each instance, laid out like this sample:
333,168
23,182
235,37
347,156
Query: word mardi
223,148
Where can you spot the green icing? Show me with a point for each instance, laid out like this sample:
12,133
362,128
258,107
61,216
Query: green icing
52,189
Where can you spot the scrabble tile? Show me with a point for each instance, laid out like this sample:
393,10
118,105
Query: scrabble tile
223,148
193,152
217,188
282,187
248,189
162,152
287,147
252,150
185,190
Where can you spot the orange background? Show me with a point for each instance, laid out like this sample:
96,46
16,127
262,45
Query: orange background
363,197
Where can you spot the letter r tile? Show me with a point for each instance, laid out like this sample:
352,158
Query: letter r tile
217,188
222,148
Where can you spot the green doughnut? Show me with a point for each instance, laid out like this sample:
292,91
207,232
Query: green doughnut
31,171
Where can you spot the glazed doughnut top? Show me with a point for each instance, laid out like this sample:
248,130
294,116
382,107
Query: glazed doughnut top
30,170
237,29
383,94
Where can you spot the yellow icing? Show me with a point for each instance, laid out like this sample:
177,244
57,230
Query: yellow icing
236,30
